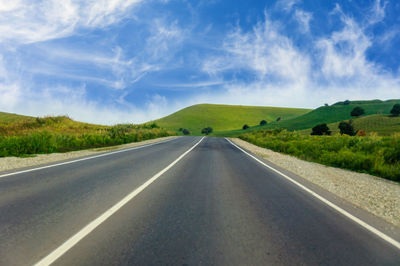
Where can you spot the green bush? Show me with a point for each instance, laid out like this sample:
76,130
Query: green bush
371,154
48,142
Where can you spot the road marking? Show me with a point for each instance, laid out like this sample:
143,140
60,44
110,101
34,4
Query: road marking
72,241
327,202
83,159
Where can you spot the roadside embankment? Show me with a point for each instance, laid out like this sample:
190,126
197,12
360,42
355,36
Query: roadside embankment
9,163
376,195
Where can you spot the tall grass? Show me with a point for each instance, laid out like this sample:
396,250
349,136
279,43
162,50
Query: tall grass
375,155
33,138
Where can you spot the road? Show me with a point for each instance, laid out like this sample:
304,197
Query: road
214,206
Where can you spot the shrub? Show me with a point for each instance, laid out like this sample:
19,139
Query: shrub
395,110
321,129
245,126
370,154
185,131
263,122
278,119
346,128
207,130
357,111
347,102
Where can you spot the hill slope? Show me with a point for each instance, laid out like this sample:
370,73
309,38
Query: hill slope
224,117
326,114
384,125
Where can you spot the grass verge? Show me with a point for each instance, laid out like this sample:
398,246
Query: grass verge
375,155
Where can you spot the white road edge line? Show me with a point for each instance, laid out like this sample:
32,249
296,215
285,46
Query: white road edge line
327,202
83,159
72,241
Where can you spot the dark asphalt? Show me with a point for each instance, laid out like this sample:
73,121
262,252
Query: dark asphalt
216,206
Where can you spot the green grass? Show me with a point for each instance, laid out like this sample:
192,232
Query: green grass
224,117
375,155
23,136
383,125
326,114
12,118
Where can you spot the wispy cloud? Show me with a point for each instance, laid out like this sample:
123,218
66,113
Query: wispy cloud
26,21
332,68
303,18
286,5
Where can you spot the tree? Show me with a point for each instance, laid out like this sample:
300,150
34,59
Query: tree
207,130
347,102
395,110
180,129
357,111
278,119
346,128
185,131
320,130
263,122
245,126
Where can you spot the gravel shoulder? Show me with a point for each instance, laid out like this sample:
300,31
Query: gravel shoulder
378,196
10,163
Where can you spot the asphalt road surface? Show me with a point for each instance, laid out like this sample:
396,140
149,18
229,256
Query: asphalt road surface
213,206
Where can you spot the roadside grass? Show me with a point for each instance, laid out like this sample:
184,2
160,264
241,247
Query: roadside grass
25,136
224,117
379,156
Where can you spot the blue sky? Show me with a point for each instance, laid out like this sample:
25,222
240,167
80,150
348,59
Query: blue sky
114,61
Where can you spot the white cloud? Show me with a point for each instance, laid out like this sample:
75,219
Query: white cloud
303,18
377,12
331,69
286,5
26,21
263,51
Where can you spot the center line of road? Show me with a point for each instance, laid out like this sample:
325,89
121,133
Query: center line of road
327,202
72,241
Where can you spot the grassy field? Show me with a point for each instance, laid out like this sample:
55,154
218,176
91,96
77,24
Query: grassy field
329,115
22,135
224,117
383,125
375,155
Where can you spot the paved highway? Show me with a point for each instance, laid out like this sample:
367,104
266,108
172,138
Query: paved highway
188,201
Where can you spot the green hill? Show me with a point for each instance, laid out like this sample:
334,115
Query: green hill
224,117
11,118
326,114
383,125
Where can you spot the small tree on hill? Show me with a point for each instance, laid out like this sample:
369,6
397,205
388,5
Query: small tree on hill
263,122
346,128
347,102
185,131
357,111
320,130
245,126
395,110
207,130
279,119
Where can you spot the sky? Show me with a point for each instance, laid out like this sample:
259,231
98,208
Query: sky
131,61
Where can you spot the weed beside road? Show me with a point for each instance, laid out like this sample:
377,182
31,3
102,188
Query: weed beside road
375,155
61,134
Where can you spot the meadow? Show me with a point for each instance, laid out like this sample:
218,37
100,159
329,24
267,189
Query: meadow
332,115
224,117
372,154
24,136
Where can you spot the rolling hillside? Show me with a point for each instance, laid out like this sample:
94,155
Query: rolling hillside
383,125
224,117
327,114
